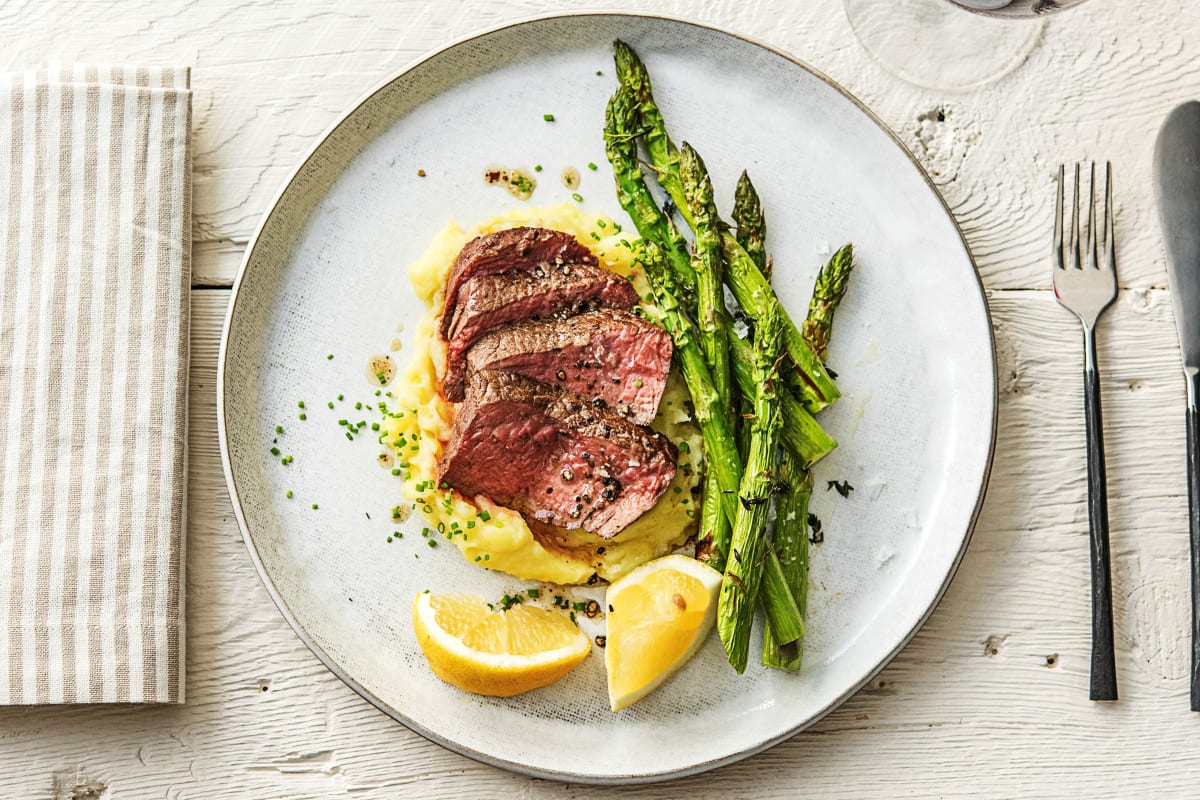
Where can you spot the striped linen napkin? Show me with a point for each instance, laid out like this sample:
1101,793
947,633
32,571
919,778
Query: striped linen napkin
95,187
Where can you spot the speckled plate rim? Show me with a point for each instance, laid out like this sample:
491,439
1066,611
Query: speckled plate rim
310,643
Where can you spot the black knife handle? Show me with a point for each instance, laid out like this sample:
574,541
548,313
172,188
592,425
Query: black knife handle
1193,458
1104,669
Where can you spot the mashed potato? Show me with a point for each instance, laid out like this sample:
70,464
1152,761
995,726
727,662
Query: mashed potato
418,423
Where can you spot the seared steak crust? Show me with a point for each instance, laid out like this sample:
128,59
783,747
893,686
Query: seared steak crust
610,357
487,302
515,249
554,456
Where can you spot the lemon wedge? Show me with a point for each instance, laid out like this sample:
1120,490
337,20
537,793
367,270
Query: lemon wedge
658,616
496,653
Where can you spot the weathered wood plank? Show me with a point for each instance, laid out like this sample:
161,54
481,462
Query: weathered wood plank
990,697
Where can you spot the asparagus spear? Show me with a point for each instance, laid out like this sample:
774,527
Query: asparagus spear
706,262
743,276
632,74
713,417
801,432
754,295
658,229
620,133
710,315
791,501
791,534
751,223
828,292
791,547
720,450
744,568
716,424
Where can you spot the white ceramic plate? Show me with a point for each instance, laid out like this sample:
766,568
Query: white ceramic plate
326,274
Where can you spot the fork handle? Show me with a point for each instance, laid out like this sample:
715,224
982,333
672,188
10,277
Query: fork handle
1104,670
1193,458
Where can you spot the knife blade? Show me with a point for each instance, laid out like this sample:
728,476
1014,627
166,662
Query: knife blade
1177,192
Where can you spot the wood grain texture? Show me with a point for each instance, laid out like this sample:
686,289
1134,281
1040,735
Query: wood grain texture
988,700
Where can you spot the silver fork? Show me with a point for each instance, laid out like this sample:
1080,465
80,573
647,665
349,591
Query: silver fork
1087,287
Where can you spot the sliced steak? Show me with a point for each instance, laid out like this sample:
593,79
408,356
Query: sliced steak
609,357
519,249
488,301
552,456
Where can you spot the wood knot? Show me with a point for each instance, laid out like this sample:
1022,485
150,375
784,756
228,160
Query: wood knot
993,644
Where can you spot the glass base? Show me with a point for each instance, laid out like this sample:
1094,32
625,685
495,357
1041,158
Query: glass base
938,45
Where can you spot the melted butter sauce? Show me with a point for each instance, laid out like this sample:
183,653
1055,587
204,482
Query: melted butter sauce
519,182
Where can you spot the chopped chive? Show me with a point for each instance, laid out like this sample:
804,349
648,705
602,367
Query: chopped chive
314,506
577,197
274,451
396,472
536,168
300,404
304,416
485,515
341,397
279,429
548,117
329,357
592,166
358,406
288,494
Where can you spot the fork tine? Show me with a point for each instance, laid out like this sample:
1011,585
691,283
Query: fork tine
1110,249
1091,257
1058,219
1073,247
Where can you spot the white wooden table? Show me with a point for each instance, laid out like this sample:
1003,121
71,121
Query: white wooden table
989,699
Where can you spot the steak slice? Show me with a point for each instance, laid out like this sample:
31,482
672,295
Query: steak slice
488,301
521,249
609,357
550,455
